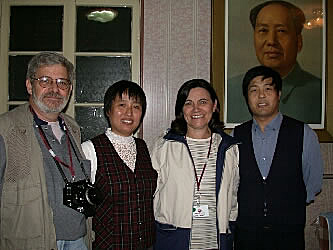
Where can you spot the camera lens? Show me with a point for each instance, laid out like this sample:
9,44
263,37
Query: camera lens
93,196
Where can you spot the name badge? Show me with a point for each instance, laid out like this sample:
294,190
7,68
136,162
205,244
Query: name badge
200,211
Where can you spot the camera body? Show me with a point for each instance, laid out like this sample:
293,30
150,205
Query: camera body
82,196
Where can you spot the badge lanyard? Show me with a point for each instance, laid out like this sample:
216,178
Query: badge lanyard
55,157
198,180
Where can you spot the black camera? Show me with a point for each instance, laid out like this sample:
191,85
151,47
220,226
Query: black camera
82,196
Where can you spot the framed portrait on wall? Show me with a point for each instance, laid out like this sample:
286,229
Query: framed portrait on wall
290,39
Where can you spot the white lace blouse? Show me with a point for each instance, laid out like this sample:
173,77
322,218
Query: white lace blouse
124,145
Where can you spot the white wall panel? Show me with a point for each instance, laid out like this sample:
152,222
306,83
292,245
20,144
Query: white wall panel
176,48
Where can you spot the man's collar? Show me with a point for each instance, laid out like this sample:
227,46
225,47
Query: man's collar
273,125
40,122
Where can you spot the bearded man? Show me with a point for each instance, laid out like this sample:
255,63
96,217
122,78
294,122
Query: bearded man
40,153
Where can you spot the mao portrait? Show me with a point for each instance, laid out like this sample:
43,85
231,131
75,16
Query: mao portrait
279,38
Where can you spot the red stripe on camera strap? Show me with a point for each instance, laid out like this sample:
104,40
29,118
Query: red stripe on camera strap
70,167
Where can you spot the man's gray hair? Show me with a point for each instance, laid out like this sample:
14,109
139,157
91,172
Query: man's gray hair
48,59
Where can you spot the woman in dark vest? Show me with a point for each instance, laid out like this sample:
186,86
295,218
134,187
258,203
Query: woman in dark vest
121,168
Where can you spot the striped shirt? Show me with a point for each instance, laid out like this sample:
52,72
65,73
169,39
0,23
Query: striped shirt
204,232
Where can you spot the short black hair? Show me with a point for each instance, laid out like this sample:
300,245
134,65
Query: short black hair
179,125
264,71
132,89
295,12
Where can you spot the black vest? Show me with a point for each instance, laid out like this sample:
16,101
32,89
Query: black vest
279,200
125,219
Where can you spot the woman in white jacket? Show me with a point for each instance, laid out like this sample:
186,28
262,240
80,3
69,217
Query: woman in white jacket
195,202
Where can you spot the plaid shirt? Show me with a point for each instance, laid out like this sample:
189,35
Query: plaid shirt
125,219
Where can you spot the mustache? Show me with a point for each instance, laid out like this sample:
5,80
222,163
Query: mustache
53,94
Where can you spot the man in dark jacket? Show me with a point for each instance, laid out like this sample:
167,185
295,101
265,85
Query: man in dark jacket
280,169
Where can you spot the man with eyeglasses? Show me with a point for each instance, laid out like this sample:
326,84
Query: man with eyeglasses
39,153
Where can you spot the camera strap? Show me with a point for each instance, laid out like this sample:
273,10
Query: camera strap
81,164
57,160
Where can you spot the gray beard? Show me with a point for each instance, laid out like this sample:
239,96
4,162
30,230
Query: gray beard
46,109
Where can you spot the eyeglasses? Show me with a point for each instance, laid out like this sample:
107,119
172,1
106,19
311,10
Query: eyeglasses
46,82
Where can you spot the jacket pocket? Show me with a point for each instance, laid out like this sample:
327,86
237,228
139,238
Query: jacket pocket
22,214
165,227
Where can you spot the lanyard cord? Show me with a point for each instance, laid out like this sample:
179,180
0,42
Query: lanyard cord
204,168
55,157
